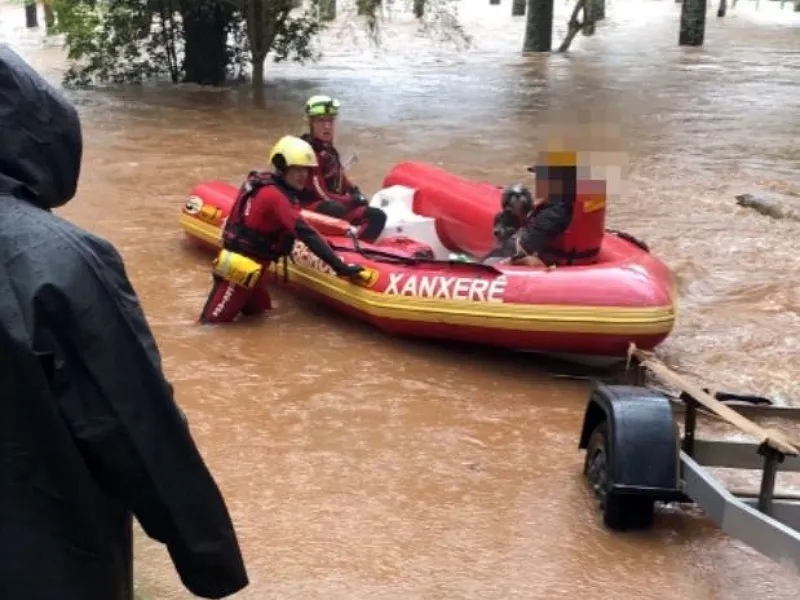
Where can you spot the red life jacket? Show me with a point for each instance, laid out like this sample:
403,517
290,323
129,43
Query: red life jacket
236,236
580,243
330,165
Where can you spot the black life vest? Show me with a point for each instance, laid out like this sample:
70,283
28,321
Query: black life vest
236,236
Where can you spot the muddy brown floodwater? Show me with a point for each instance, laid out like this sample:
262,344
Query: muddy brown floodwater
360,466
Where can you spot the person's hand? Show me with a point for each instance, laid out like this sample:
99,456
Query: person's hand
349,270
358,198
528,261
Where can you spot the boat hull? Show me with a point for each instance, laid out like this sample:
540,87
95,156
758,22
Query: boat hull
595,311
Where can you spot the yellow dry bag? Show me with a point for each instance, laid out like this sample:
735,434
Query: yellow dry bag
237,269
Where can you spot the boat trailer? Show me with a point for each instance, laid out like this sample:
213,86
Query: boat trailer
636,456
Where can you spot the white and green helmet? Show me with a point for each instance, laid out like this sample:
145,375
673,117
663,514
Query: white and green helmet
322,106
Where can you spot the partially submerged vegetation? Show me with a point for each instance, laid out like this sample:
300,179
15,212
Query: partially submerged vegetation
211,42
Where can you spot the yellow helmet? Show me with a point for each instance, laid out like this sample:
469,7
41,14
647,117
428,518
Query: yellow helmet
291,151
555,159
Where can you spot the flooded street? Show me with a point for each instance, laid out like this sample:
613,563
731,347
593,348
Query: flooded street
359,466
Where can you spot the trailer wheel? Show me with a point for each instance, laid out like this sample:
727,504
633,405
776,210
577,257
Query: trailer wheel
621,512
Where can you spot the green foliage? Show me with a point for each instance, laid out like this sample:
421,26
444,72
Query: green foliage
131,41
238,50
438,19
115,41
294,37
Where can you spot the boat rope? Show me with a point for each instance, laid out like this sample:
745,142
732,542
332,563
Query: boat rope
629,238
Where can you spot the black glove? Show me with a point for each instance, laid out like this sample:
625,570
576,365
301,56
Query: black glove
358,198
349,270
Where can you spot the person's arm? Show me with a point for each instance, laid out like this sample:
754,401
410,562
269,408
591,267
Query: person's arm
120,410
290,219
323,193
549,222
350,197
320,247
348,186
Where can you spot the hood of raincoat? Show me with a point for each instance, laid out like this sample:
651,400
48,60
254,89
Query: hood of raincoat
40,136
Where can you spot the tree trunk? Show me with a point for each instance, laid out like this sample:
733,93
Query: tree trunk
49,15
539,26
589,17
206,36
574,26
258,79
722,9
327,10
693,23
367,7
600,10
31,14
419,8
261,31
518,8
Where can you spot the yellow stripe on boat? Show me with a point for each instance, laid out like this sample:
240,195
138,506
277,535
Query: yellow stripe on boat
608,320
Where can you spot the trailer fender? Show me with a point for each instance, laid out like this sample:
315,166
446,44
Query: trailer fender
642,438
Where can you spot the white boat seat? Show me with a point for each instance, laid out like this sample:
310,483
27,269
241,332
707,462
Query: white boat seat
397,202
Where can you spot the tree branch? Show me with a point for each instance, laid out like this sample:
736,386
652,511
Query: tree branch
574,26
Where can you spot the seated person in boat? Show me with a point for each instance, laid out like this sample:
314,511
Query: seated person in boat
557,227
328,190
262,227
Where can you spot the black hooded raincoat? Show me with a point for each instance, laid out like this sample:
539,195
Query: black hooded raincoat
89,430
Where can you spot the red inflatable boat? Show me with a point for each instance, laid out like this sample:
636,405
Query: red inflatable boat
584,312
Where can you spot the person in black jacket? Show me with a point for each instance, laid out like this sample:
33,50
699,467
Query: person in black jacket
90,434
527,228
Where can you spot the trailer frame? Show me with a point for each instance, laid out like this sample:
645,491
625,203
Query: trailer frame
636,456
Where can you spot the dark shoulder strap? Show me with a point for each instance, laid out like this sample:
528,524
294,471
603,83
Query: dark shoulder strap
255,181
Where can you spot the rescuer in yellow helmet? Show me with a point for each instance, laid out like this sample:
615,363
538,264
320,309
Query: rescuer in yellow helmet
262,227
